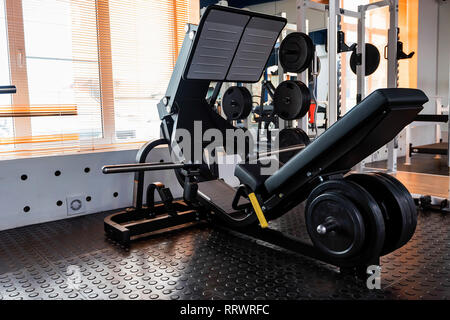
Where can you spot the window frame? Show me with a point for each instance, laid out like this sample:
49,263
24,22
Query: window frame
19,75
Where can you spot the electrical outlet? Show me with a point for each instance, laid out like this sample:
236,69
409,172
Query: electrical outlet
75,205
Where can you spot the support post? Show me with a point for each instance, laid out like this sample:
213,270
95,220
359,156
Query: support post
332,60
392,75
302,26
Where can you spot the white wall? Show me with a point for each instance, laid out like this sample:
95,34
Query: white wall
42,189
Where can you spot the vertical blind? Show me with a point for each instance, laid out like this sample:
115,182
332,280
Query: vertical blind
89,73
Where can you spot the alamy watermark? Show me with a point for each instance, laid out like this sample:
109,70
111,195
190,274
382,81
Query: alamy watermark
374,279
74,278
202,146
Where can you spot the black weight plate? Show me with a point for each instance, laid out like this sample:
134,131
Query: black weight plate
406,212
291,100
291,137
335,225
371,213
372,59
406,195
390,201
237,103
296,52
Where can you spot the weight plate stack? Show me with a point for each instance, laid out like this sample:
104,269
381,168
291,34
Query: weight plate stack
406,196
396,211
291,100
348,250
337,227
237,103
296,52
372,59
291,137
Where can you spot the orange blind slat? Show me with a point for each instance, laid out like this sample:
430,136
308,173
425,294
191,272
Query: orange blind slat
108,62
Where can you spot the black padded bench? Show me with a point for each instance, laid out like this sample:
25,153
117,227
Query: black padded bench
363,130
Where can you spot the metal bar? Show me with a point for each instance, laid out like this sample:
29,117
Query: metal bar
7,89
314,5
277,151
215,94
302,26
376,5
431,118
332,61
361,50
150,166
285,241
392,75
349,13
429,150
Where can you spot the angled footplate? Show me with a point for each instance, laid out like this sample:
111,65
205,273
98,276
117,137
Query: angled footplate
218,197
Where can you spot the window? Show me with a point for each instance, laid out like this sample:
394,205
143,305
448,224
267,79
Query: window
62,66
377,25
6,123
89,73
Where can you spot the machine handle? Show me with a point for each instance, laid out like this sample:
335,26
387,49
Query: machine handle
8,89
150,166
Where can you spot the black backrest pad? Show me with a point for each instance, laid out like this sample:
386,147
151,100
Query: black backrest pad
363,130
232,45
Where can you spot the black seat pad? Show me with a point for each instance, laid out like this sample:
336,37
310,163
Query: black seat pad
367,127
250,175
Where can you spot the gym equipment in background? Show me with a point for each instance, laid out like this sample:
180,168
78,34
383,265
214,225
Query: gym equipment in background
237,103
372,59
291,100
296,52
350,223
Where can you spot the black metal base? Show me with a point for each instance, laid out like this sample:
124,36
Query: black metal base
131,224
292,243
128,225
202,262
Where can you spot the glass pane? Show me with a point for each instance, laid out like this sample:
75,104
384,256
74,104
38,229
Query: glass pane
6,124
142,55
62,65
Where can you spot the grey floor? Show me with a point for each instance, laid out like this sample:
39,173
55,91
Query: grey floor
71,259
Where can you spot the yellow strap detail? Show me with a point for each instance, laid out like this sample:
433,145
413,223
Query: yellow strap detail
262,220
